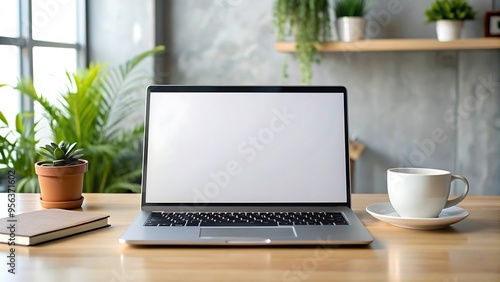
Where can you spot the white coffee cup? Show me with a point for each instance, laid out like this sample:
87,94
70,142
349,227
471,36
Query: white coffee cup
422,192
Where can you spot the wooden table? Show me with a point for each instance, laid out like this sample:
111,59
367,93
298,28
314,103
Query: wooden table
467,251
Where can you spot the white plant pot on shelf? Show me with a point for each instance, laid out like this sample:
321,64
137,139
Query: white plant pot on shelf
448,30
351,28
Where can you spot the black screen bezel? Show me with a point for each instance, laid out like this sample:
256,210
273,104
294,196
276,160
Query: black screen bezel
243,89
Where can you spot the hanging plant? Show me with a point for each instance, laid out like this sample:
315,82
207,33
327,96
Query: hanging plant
308,21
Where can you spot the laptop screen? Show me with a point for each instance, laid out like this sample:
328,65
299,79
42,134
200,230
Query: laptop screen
226,147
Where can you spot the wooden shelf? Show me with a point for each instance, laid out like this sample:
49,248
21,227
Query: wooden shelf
381,45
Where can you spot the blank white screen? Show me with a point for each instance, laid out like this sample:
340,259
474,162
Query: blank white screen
246,148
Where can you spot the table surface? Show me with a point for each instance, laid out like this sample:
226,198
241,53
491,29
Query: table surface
466,251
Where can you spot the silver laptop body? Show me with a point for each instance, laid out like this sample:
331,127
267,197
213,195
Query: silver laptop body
246,150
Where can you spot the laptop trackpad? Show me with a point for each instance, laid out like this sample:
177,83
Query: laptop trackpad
247,232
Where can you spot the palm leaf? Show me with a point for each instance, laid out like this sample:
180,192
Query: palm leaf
123,187
3,119
118,89
19,124
27,88
28,185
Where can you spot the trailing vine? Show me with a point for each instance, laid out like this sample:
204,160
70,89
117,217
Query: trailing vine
308,21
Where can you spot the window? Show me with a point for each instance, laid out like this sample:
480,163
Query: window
39,39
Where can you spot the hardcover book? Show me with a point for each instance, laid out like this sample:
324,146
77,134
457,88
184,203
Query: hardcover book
44,225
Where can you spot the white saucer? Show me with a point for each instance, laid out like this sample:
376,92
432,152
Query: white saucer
386,213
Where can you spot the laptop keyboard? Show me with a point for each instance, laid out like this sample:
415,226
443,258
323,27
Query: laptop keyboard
244,218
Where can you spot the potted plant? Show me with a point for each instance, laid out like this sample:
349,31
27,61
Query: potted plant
449,16
309,23
61,177
350,19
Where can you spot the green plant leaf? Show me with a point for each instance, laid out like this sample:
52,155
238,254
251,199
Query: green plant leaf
77,156
123,187
449,10
49,148
71,147
350,8
3,119
62,146
27,184
47,155
309,22
59,162
58,153
19,123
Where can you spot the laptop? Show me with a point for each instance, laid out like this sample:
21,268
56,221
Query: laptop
246,165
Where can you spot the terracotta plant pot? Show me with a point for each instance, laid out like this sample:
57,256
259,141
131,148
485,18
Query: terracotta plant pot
61,186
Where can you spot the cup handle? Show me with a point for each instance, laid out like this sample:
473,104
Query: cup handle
458,199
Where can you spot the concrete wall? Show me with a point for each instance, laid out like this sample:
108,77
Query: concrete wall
430,109
119,30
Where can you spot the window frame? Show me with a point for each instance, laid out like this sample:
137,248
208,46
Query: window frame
26,43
